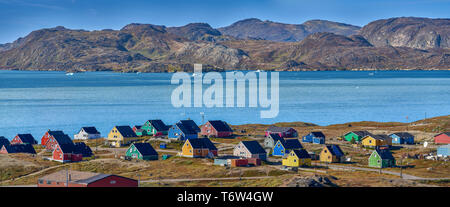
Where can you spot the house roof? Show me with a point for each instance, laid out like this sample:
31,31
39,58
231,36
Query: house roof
301,153
62,139
361,133
55,132
20,148
185,129
3,141
402,134
27,138
275,137
202,143
317,134
385,154
76,176
278,129
381,136
82,148
292,144
446,133
220,126
126,131
253,147
145,149
190,124
67,148
137,126
335,150
90,130
159,125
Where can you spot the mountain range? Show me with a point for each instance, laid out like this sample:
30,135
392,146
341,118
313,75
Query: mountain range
395,43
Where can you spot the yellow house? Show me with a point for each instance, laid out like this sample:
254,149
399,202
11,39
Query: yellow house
297,158
331,153
122,135
376,140
199,147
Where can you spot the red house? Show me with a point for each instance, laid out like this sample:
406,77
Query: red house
71,178
47,136
57,139
283,132
216,128
442,138
66,153
23,139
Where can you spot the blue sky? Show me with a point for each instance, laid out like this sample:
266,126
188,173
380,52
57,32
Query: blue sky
20,17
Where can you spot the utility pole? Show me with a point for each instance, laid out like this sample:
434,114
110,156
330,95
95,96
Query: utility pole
401,168
139,180
67,177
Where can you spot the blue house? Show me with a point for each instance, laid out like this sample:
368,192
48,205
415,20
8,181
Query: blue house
443,151
402,138
283,147
314,137
182,130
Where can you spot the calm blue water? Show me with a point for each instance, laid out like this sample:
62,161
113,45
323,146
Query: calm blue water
32,102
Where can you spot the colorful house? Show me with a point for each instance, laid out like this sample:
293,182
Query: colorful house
296,158
184,130
284,132
23,139
48,135
250,149
87,133
139,131
202,147
66,153
121,136
4,141
356,135
314,137
83,149
17,148
331,153
381,158
142,151
57,139
442,138
283,147
376,140
271,140
402,138
443,151
71,178
155,128
216,128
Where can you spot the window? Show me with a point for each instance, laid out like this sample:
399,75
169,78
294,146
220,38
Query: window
112,182
49,182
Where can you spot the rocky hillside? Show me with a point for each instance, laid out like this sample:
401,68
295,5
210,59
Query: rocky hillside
154,48
268,30
420,33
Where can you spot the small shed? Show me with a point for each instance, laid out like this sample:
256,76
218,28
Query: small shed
163,145
254,161
314,137
239,162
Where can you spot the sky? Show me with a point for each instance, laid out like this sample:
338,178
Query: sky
20,17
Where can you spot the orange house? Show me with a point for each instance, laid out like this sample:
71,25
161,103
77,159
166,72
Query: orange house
200,147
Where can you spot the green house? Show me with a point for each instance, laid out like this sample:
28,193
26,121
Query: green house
381,158
139,131
142,151
155,128
356,135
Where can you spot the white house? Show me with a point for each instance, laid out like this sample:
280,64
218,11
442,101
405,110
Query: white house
87,133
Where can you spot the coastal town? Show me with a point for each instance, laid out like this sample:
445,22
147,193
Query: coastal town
218,154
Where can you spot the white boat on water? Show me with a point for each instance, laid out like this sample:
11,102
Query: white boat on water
69,73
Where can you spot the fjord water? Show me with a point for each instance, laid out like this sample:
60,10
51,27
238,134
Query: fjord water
34,101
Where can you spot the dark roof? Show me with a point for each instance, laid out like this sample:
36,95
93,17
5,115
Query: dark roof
381,136
278,129
3,141
67,148
185,130
275,137
446,133
137,126
27,138
335,150
62,139
220,126
318,134
90,130
385,154
361,133
145,149
202,143
301,153
402,134
159,125
253,147
292,144
190,124
126,131
55,132
82,148
20,148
